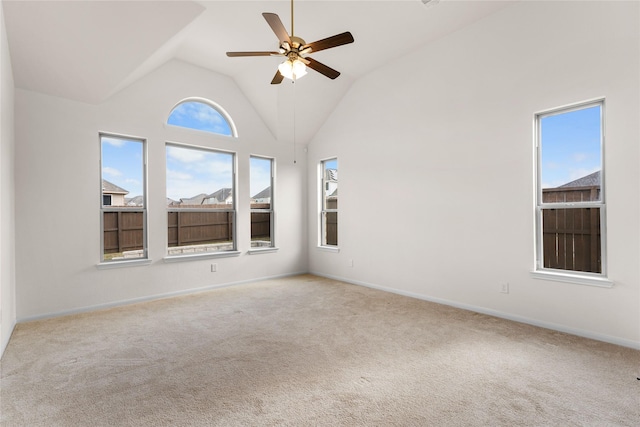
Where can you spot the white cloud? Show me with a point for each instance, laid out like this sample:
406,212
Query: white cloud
579,157
185,155
116,142
178,176
112,172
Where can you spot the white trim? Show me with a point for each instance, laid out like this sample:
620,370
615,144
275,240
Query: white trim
215,106
111,208
568,277
520,319
539,206
262,250
120,264
205,255
272,199
121,303
328,248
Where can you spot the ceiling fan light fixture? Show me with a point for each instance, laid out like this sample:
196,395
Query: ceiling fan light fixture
293,69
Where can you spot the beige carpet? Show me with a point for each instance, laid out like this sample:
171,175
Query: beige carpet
308,351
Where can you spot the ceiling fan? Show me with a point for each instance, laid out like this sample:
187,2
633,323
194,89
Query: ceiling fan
297,51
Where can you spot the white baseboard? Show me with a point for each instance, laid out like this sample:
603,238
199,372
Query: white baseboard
121,303
534,322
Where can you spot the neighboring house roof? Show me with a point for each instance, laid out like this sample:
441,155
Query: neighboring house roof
134,201
591,180
219,196
264,194
332,174
216,197
109,187
195,200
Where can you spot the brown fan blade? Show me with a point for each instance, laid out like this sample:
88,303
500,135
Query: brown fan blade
277,26
329,42
277,79
322,69
232,54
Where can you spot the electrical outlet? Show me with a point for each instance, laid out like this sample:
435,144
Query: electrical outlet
214,268
504,288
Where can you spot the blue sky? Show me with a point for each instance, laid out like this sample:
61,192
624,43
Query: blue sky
570,147
193,171
122,164
260,175
197,115
331,164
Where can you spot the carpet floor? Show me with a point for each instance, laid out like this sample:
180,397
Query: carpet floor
309,351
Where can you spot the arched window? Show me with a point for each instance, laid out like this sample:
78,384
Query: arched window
202,114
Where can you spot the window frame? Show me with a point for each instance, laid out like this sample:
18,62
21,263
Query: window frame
144,259
215,106
571,276
271,210
324,210
233,210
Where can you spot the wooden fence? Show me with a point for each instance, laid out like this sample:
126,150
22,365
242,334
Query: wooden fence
260,222
123,229
571,237
194,228
331,231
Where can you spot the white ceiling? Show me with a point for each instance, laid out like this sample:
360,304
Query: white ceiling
89,50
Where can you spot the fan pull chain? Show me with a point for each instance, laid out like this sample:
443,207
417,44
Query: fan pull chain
293,82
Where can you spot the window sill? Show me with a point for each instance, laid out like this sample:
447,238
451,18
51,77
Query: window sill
601,282
206,255
261,251
121,264
329,248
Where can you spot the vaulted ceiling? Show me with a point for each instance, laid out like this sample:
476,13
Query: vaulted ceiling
89,50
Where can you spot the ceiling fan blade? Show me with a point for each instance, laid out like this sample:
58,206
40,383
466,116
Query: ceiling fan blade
322,69
277,79
329,42
232,54
277,26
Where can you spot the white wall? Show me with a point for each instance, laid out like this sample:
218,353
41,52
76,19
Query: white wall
445,135
7,218
57,152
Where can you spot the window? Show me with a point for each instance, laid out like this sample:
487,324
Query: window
329,202
123,194
201,202
261,188
570,190
204,115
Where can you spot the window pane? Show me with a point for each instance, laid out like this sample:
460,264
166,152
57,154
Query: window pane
571,156
260,185
199,116
200,200
331,228
329,189
123,220
261,229
571,239
331,184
